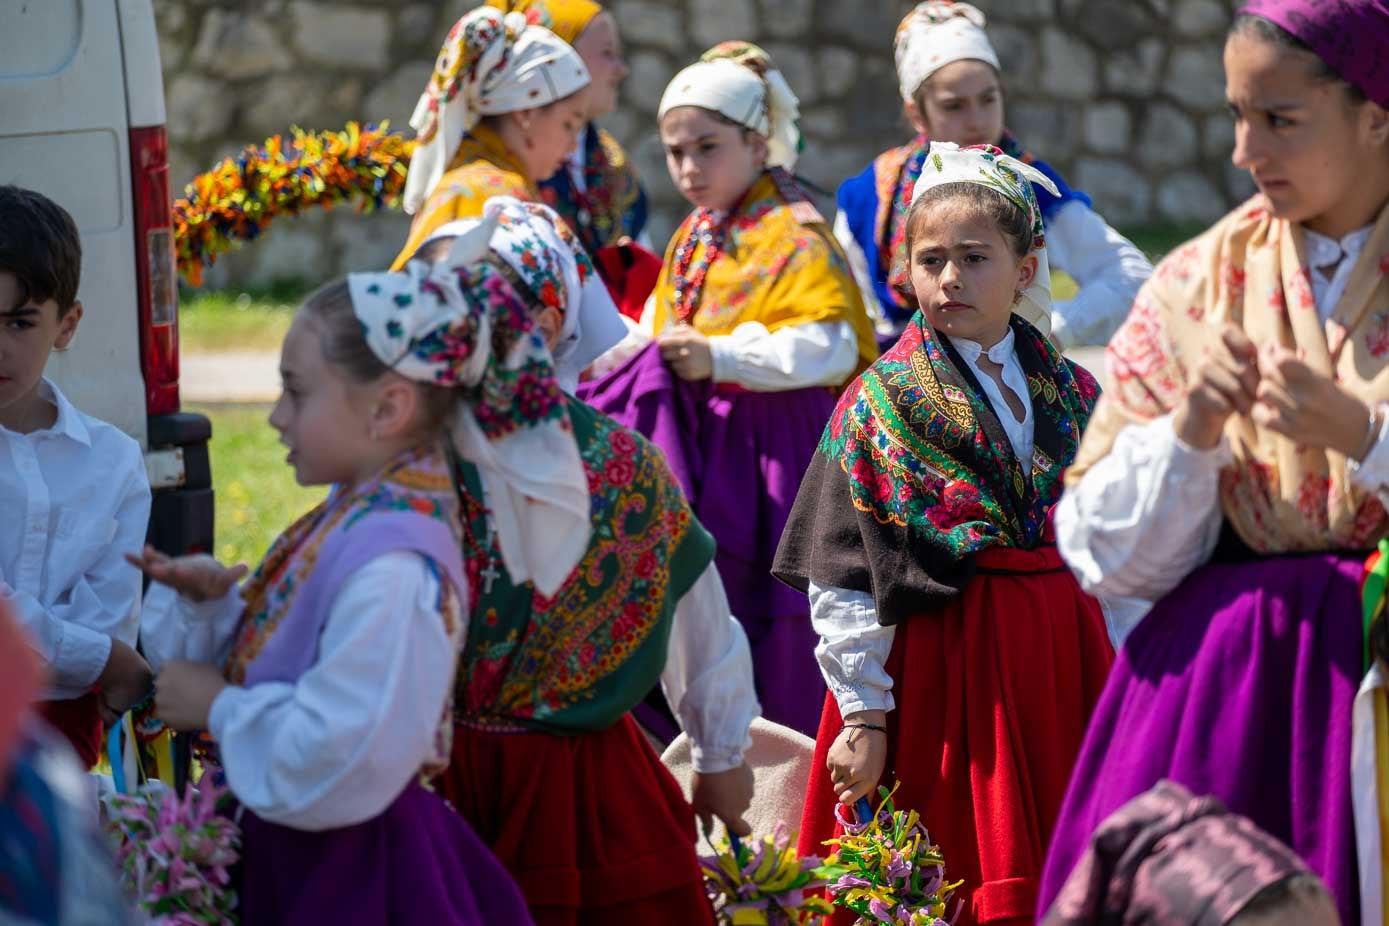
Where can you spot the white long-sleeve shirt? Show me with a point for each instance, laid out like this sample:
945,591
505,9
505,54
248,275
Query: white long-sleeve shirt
75,497
337,746
1108,268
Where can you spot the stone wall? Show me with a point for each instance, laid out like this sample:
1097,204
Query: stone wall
1125,97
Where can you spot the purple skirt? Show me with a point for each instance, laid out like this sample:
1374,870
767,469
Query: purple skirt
1239,683
739,456
417,862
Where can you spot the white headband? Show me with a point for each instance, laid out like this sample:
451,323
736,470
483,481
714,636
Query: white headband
489,64
764,104
937,33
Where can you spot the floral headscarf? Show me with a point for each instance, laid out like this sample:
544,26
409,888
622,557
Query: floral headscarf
565,18
460,322
989,166
549,261
490,64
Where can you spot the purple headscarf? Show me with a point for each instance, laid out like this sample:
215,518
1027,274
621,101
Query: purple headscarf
1169,857
1351,36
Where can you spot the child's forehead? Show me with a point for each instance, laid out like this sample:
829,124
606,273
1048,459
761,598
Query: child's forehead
15,298
954,218
685,124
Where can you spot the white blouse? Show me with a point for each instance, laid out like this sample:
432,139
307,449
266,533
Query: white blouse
1021,434
1108,268
75,498
337,746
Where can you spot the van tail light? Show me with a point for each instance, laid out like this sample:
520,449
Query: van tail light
157,284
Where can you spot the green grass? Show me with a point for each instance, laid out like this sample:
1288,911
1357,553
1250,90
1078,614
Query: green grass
1157,240
257,496
224,320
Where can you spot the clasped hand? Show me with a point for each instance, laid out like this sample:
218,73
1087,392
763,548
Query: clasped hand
1273,387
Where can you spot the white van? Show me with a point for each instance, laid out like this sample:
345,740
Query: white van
82,121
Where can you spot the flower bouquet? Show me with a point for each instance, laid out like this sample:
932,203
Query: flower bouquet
175,853
887,870
764,882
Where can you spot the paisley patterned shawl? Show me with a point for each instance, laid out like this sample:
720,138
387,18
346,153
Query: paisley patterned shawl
778,265
613,204
481,168
579,660
915,473
1250,270
417,482
895,173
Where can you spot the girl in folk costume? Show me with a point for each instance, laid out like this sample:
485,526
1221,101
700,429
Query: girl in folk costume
951,91
962,659
500,113
759,320
596,189
325,679
1237,469
578,611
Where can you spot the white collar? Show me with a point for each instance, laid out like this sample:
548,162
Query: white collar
1000,353
1323,250
69,422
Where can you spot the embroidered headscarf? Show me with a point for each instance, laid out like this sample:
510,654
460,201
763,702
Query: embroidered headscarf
738,81
460,322
934,34
988,166
565,18
1349,35
553,266
1170,857
490,64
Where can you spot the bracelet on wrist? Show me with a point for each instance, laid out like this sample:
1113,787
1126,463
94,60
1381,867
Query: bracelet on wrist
865,726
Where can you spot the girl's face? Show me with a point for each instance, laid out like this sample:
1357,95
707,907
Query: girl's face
960,103
322,418
965,275
601,48
712,162
542,138
1309,148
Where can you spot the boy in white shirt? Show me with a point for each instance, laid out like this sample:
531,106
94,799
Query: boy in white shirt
73,489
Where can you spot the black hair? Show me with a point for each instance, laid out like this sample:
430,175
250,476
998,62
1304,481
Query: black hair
1248,24
345,348
40,245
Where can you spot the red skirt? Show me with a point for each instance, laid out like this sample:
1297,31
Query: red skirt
79,720
593,827
993,694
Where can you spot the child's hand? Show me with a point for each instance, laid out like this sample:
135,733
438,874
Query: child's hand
687,352
726,795
199,577
184,692
124,682
857,757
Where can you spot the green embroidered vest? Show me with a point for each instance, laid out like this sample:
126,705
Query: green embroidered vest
579,660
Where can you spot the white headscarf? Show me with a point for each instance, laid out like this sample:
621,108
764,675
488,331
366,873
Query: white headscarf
986,165
540,247
737,80
490,64
440,324
934,34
